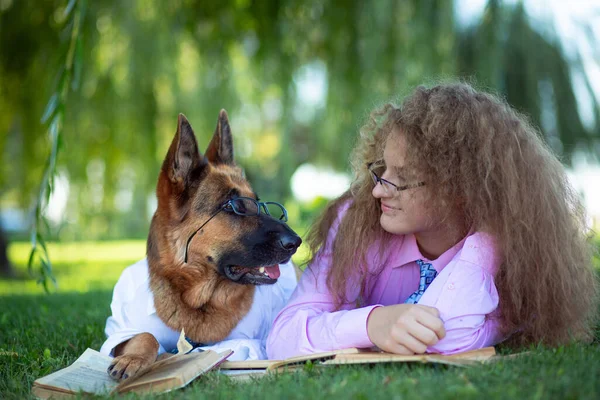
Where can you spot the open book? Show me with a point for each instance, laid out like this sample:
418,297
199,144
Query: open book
88,375
245,369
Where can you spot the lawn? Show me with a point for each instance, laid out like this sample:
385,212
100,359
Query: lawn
40,334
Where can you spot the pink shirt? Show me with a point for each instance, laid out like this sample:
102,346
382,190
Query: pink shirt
463,292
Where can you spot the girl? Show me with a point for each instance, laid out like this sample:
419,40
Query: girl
459,231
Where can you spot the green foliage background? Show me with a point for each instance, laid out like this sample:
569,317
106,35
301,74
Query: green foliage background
143,62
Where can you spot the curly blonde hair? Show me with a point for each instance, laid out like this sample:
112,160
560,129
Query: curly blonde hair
479,153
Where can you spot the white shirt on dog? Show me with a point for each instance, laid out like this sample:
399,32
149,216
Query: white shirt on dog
133,312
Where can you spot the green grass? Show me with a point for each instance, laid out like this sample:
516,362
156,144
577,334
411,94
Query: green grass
41,333
79,267
84,266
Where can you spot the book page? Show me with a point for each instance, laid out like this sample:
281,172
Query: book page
95,359
459,359
174,372
87,373
355,356
375,358
243,374
251,364
311,357
475,355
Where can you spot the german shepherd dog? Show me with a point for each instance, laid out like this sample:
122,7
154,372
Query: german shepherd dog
210,242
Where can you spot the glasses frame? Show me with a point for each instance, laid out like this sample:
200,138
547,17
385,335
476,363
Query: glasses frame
229,206
377,179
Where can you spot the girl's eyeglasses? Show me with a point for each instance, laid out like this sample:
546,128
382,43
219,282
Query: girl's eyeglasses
388,186
246,207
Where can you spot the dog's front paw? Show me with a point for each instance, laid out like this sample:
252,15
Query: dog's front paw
128,366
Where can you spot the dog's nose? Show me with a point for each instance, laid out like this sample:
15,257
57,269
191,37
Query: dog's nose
290,241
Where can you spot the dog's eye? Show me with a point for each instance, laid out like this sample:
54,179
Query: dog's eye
241,207
228,207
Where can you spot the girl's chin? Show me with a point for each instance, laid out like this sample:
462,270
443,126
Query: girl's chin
391,225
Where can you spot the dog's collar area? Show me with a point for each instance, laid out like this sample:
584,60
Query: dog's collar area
194,345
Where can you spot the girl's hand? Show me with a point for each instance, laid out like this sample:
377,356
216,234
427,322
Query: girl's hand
405,328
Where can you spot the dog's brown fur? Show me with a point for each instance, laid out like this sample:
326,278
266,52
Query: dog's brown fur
193,296
136,355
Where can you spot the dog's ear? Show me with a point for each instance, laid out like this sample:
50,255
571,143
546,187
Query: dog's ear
220,148
184,156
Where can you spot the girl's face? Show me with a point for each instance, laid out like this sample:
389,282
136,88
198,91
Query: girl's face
404,211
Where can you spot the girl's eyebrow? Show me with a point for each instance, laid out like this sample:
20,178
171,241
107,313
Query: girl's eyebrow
398,170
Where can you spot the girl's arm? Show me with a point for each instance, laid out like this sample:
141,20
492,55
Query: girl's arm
309,324
466,303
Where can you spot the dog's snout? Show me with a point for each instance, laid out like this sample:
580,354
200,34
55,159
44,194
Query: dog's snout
290,241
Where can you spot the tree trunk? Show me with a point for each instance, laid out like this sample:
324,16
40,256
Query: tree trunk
6,269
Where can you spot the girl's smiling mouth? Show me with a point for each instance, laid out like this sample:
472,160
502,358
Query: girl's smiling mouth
386,208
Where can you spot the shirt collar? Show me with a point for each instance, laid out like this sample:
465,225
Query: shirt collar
408,251
447,256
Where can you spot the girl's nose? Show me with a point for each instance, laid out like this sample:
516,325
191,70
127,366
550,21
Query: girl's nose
379,191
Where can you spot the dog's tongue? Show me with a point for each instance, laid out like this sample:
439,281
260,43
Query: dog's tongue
273,271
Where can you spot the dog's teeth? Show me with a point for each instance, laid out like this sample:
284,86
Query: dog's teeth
261,270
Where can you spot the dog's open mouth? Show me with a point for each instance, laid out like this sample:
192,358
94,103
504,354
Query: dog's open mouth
253,275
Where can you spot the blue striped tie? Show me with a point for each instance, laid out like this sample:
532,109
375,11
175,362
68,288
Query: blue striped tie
428,274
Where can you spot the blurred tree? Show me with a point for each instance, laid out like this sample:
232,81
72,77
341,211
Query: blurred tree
505,52
6,270
297,78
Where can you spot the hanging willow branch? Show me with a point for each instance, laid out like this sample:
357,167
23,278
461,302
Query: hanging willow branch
67,78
